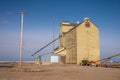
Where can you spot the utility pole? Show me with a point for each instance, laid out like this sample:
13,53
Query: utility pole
21,37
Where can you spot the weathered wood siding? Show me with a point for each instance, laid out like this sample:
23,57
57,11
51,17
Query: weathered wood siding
80,41
87,43
71,46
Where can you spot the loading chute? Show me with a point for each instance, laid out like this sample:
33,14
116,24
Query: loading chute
45,46
108,57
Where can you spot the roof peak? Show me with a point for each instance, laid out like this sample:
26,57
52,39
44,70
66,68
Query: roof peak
86,19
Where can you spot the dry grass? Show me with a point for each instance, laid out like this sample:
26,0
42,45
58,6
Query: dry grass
27,67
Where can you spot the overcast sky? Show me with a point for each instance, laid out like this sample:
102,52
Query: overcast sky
44,16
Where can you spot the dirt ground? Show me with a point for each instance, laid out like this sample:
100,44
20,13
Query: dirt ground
60,72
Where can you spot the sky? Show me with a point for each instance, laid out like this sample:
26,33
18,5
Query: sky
43,17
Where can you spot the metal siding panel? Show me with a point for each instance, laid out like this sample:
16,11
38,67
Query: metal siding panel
47,57
54,59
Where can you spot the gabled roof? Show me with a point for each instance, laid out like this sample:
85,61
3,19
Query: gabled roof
80,24
66,23
73,28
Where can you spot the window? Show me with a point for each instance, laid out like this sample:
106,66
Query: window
87,24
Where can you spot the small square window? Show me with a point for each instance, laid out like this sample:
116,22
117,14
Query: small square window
87,24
